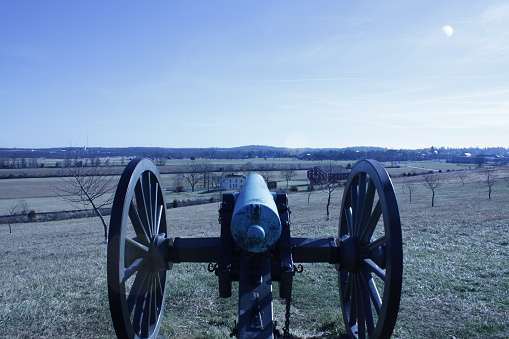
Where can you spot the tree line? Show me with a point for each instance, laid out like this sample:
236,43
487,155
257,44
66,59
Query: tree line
14,157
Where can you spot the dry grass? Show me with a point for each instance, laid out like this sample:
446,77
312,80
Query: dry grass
456,262
53,281
53,275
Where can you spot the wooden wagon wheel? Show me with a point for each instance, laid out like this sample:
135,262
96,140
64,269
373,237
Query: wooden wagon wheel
371,263
136,245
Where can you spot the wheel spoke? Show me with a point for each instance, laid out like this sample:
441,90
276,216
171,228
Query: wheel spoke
148,306
147,201
370,264
133,250
348,287
155,215
138,223
371,299
141,206
153,313
365,210
370,321
159,219
374,295
136,245
140,305
349,220
160,282
366,306
353,303
368,230
359,306
353,205
361,200
373,245
133,268
136,289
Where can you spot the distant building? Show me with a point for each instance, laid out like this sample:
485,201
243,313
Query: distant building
232,182
318,176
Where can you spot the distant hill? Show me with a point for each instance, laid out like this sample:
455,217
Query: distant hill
17,157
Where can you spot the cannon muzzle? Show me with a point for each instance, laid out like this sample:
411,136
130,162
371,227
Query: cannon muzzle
255,225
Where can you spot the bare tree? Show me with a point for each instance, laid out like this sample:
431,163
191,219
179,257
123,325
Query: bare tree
206,171
408,187
266,172
288,174
310,190
331,184
21,207
462,175
490,176
192,173
216,178
433,182
87,184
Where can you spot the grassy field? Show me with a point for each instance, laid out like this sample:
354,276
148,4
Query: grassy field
456,269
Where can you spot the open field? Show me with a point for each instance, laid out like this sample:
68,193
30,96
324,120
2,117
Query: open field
456,269
40,195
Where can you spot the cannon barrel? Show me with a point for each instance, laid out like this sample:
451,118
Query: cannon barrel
255,225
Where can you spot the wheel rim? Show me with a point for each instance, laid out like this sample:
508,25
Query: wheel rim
136,267
371,266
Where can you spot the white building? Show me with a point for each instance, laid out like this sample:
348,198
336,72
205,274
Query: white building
232,182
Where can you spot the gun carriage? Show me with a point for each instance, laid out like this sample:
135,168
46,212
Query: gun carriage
256,248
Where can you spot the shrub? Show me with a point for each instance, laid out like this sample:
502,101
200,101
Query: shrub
179,188
294,189
175,203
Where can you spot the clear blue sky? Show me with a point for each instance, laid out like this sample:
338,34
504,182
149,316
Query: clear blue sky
396,74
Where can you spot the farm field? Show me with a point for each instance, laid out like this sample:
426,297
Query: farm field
40,195
456,264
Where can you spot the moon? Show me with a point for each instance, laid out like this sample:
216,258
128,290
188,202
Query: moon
448,30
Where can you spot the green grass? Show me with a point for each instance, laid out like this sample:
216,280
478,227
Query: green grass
456,264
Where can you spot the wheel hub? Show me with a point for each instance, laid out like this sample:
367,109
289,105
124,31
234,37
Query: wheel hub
157,253
349,254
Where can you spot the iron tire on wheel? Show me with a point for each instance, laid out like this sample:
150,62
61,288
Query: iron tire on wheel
136,268
371,253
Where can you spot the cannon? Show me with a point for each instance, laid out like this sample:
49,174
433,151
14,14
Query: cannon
255,248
